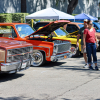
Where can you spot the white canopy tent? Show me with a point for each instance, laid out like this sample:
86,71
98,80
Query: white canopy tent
49,13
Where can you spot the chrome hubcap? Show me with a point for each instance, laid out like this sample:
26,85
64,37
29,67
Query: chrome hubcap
73,50
38,58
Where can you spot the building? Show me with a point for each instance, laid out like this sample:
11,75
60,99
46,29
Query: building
10,6
91,7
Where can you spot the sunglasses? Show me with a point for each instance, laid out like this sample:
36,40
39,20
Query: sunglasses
90,24
85,22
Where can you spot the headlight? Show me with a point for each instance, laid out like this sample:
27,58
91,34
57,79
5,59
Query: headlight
9,59
59,41
55,49
9,52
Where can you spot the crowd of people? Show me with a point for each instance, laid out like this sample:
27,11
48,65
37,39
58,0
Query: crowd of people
88,44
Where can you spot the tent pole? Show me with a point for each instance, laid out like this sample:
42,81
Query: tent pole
32,22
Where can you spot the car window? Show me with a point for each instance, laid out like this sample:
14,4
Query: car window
7,31
61,32
71,28
24,30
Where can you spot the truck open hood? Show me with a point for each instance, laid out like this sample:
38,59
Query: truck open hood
46,30
11,44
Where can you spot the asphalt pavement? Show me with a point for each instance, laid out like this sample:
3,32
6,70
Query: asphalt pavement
63,80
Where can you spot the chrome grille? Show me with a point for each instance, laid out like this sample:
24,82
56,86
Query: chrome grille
64,47
20,50
18,53
18,57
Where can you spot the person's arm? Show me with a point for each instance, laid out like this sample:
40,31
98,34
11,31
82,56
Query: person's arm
96,40
84,38
78,36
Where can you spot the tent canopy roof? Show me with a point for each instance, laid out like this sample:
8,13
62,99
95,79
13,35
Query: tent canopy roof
85,16
49,13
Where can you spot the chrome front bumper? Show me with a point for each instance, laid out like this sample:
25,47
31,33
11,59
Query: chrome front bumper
61,57
15,66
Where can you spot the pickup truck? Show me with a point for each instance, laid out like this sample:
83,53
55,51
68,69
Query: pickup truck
44,49
14,55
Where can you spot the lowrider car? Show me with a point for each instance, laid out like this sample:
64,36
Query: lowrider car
44,49
14,55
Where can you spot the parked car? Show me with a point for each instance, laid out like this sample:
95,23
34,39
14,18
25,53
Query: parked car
14,55
44,49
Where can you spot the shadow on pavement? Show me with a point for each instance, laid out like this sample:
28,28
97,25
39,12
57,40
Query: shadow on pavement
79,56
8,77
65,99
14,98
50,64
20,98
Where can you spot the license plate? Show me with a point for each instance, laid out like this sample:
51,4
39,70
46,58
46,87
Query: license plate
65,56
23,65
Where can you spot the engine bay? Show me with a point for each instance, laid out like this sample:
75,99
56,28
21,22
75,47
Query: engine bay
49,38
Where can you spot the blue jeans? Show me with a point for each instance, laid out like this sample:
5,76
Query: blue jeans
91,49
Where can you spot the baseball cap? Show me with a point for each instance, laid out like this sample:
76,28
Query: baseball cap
85,20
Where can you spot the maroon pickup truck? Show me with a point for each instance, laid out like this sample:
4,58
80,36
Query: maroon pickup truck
14,55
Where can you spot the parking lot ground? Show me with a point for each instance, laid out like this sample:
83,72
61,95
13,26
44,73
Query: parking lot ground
63,80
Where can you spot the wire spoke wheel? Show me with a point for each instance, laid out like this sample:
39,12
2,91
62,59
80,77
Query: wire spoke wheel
38,58
74,51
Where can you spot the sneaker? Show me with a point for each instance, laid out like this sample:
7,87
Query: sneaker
85,66
91,68
96,68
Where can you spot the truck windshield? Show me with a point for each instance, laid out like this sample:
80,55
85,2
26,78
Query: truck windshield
24,30
61,32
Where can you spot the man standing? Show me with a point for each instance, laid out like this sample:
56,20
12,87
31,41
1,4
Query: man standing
80,33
